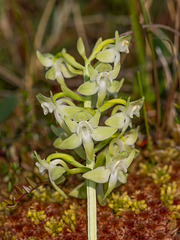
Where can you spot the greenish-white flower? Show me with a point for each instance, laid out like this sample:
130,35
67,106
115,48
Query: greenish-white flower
115,170
102,80
57,68
84,132
59,107
125,143
111,52
122,119
55,171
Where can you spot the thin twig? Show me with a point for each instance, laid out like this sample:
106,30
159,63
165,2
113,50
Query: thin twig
78,21
144,26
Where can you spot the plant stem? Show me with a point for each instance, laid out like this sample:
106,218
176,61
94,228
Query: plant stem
145,114
91,198
91,210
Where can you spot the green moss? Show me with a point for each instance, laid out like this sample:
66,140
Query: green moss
68,220
36,216
167,195
120,204
160,175
47,195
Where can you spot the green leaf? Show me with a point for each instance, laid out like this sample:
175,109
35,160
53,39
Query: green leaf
111,103
71,60
88,88
69,93
100,195
80,191
51,74
57,172
81,48
102,133
7,106
100,160
57,142
99,175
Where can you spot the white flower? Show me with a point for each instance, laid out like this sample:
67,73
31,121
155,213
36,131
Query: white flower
114,171
101,81
84,133
111,52
122,120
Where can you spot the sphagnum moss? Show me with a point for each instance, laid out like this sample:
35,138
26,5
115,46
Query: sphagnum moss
68,220
36,216
122,203
159,174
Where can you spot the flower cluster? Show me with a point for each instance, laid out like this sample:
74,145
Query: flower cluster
107,148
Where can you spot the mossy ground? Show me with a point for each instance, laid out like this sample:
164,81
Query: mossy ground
149,208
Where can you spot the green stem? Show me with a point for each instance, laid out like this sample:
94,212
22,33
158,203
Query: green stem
145,115
91,210
91,198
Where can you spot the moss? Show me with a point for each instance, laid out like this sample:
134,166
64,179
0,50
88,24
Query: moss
160,175
68,220
120,204
47,195
167,196
36,216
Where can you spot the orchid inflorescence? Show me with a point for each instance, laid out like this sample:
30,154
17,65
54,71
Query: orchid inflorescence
107,148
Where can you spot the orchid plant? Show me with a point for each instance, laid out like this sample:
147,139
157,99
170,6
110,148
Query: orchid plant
104,149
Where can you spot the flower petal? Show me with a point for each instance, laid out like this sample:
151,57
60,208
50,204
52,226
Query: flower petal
131,137
82,116
72,125
99,175
102,133
92,73
88,88
122,178
101,93
51,74
69,111
45,59
89,147
115,86
118,120
71,142
103,67
114,73
130,158
94,121
112,183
